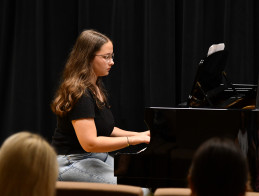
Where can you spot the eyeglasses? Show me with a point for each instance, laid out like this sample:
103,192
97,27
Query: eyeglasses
108,57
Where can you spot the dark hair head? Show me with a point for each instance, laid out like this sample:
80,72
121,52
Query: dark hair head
218,168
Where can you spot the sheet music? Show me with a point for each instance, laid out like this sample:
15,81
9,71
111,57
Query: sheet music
215,48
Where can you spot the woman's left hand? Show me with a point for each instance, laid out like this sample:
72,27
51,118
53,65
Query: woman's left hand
147,133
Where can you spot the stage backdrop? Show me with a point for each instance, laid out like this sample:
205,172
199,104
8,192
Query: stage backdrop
157,44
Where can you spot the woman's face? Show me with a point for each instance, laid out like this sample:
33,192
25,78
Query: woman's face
103,60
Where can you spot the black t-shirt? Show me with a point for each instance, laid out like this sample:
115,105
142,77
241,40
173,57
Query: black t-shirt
65,140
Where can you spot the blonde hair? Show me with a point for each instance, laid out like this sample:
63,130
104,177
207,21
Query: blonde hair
78,73
28,166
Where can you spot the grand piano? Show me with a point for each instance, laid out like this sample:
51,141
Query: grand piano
215,107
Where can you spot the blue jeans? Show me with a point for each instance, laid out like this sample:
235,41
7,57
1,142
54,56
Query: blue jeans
87,167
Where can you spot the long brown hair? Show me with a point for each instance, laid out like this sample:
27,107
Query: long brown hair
78,73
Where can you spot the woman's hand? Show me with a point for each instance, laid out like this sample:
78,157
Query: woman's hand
147,133
138,139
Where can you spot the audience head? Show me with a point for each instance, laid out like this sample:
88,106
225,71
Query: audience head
218,168
28,166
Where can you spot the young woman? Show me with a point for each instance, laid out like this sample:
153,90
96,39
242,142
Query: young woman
28,166
85,130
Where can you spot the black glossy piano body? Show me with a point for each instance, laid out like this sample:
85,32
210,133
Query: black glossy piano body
176,133
215,107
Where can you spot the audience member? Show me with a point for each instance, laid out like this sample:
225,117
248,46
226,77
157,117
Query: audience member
28,166
219,168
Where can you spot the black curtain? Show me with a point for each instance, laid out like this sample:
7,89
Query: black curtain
157,43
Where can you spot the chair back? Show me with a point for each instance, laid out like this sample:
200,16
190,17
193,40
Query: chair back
185,192
172,192
95,189
252,194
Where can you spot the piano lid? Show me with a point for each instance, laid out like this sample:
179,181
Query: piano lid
212,88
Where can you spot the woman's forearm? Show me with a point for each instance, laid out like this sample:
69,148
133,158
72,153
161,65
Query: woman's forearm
107,144
117,132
